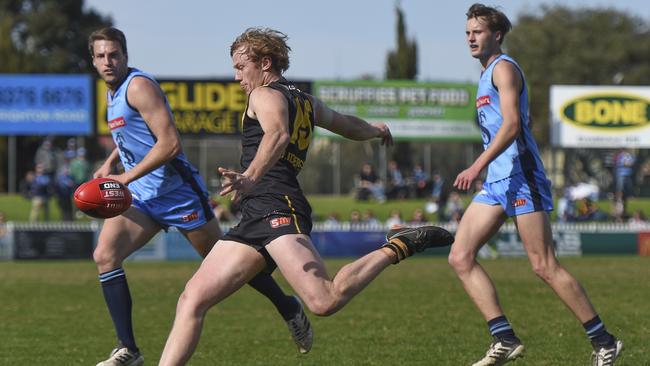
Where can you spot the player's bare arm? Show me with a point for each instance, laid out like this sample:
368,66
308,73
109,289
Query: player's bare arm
508,81
350,127
270,108
105,169
149,100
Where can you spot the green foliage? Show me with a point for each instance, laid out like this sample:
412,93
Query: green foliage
415,313
582,46
402,62
46,36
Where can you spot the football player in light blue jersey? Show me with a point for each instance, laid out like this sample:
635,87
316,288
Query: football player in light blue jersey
167,191
516,187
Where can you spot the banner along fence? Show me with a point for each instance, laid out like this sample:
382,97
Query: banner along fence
27,241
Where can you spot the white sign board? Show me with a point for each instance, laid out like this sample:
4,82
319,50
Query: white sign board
600,116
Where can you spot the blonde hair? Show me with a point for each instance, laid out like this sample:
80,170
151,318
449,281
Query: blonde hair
264,42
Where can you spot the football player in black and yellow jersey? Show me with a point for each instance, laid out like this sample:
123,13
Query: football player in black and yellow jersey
278,126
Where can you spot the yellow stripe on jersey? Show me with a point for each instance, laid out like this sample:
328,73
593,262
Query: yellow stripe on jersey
293,213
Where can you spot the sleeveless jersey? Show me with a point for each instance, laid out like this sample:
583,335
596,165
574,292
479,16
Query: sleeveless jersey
281,179
522,154
134,140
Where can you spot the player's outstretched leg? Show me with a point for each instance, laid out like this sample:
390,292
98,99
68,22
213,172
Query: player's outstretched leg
606,355
407,241
501,351
300,329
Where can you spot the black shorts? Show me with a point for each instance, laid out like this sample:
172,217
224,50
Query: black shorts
266,218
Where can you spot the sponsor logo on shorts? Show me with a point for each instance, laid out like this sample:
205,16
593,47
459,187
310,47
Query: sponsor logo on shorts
519,202
193,216
116,123
280,221
481,101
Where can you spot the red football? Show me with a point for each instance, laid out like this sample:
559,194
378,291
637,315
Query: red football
102,198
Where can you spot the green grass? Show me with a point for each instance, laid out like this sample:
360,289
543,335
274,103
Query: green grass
416,313
17,207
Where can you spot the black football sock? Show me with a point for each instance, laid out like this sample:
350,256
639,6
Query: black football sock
118,301
501,329
265,284
597,332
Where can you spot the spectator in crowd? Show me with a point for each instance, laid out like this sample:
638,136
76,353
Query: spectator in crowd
40,193
574,196
454,208
64,189
368,218
80,167
397,187
437,187
3,225
355,219
70,151
643,177
588,210
565,206
46,157
418,218
332,221
25,185
419,181
439,195
394,219
638,218
623,181
370,184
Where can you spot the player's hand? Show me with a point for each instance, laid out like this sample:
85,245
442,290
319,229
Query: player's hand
384,133
103,171
120,178
465,178
235,183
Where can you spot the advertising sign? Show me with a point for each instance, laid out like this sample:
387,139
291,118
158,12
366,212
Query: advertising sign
47,104
213,107
600,116
53,244
413,110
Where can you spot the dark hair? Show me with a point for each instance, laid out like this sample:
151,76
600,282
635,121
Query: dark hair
107,34
496,20
264,42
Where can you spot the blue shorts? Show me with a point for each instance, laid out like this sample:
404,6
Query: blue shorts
522,193
186,207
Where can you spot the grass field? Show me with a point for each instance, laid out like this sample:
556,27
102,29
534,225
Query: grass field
416,313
